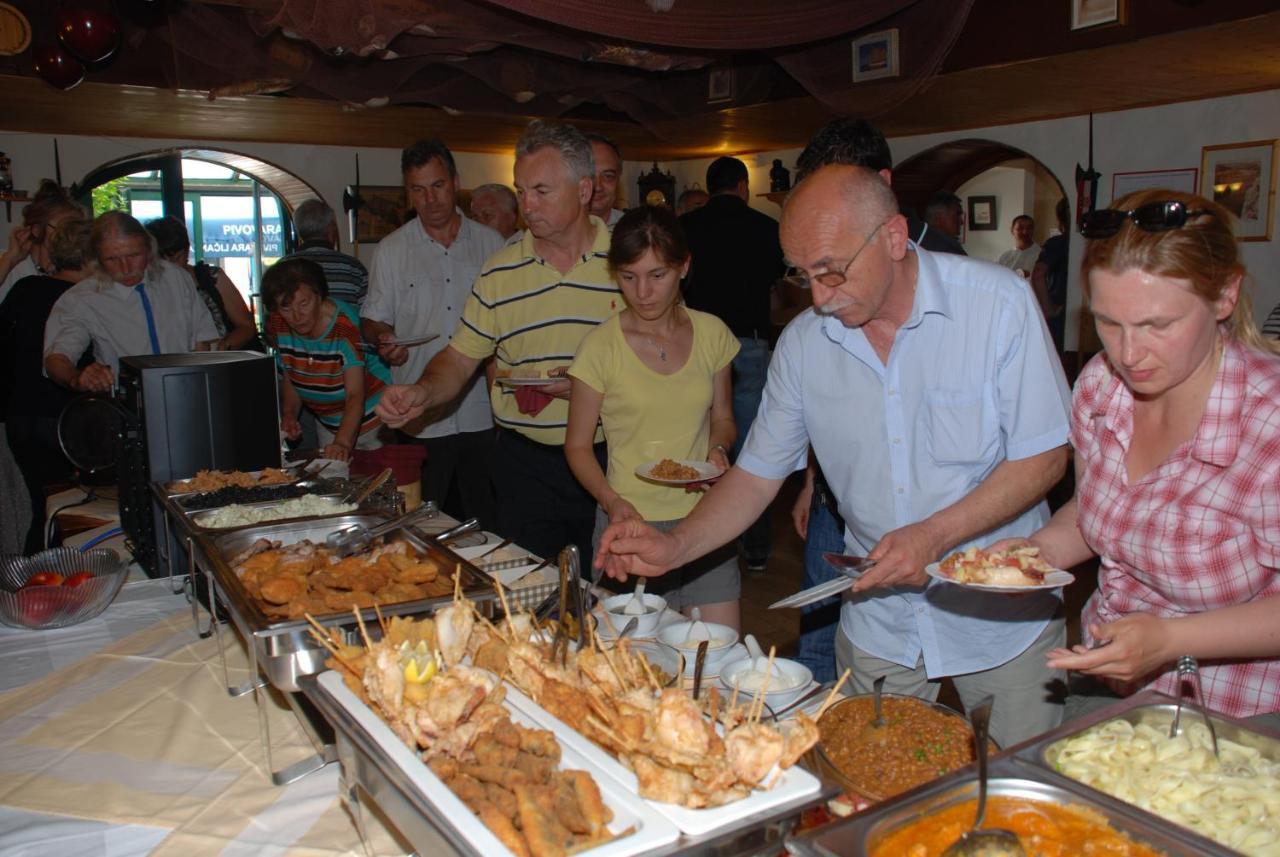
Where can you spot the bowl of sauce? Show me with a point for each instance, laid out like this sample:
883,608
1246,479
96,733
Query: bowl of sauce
781,685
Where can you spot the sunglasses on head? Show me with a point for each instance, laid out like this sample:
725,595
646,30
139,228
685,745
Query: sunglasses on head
1152,217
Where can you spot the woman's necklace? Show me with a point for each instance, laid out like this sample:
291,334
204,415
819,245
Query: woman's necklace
662,352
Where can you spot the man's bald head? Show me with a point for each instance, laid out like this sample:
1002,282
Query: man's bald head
839,197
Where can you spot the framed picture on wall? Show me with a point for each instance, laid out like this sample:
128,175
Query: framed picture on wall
1241,178
982,214
384,209
875,55
1184,180
1096,13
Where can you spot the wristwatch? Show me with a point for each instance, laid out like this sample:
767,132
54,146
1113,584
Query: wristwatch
720,446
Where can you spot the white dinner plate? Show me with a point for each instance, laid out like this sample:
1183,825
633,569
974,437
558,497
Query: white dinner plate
706,470
508,381
1053,580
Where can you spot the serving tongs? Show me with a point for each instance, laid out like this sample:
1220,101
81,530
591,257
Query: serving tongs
356,537
571,603
1189,669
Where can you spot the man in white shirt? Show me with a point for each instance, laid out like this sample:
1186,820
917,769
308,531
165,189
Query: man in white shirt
495,206
420,279
1022,259
604,196
137,303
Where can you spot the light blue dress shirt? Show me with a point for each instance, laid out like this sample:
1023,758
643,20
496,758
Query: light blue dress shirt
972,380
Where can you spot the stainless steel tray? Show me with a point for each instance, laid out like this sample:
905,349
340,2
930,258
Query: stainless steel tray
198,519
285,649
1148,706
368,771
859,834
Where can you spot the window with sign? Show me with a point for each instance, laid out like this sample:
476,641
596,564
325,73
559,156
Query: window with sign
235,222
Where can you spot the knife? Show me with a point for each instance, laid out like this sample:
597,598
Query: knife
850,568
502,544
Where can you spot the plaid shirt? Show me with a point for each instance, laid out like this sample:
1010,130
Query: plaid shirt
1198,533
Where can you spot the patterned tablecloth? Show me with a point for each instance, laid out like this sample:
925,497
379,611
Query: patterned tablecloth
118,737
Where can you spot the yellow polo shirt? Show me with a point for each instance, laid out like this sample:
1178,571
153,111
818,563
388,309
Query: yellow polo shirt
528,315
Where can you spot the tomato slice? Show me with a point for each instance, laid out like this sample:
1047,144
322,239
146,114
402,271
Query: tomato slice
78,578
44,578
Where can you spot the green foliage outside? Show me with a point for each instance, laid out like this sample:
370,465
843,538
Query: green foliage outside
110,196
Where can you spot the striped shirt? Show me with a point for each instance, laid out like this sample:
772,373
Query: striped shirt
315,367
347,276
527,315
1271,327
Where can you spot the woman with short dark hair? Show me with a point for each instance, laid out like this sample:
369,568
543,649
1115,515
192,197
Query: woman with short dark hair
322,365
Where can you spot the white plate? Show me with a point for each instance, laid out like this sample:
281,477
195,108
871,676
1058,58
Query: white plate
796,783
652,830
1053,580
508,381
407,342
706,470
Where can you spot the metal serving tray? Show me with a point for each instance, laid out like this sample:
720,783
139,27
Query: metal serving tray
859,834
370,775
1148,706
198,519
285,649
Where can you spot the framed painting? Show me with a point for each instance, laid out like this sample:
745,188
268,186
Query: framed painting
1241,178
875,55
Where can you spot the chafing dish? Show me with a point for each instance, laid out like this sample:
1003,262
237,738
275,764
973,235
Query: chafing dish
1150,707
859,834
199,519
284,649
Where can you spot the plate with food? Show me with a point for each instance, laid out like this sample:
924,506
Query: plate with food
1017,570
684,471
212,480
523,377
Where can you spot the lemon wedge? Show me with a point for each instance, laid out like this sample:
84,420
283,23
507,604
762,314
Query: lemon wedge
420,663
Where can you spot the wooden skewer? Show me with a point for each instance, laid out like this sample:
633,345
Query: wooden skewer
457,582
733,698
608,659
826,703
506,608
382,623
653,680
713,704
364,632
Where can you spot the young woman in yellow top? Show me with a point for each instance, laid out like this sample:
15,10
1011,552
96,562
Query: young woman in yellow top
656,376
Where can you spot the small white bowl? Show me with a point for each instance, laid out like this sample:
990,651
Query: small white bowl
647,623
719,648
797,676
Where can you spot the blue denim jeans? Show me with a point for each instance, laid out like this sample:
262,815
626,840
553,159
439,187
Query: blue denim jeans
819,622
750,368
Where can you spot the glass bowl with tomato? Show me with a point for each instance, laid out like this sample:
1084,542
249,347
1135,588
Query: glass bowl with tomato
58,587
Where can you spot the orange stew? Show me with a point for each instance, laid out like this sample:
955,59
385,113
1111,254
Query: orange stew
917,743
1044,829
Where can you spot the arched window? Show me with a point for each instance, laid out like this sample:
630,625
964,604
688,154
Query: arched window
238,209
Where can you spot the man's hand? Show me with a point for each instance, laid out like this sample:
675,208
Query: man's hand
393,355
401,403
1127,649
19,244
291,427
634,547
800,509
94,378
560,387
901,557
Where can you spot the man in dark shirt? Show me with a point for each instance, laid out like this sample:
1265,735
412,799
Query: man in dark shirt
1049,277
346,275
736,260
857,143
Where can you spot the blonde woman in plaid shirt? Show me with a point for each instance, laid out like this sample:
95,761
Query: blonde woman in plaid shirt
1176,430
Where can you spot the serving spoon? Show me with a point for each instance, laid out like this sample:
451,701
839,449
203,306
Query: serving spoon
994,841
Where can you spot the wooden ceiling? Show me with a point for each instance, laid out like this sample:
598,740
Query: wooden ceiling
1239,56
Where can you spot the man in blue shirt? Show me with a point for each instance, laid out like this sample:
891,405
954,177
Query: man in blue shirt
928,387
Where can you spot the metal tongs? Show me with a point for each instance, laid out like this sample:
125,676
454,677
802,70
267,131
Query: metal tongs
1189,669
571,603
356,537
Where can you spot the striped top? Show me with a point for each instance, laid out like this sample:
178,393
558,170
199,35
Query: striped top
529,316
1271,327
315,367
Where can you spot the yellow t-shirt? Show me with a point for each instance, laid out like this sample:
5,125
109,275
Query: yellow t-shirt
648,416
530,316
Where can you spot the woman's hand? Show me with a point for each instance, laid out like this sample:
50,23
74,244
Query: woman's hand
291,427
337,451
620,510
1127,649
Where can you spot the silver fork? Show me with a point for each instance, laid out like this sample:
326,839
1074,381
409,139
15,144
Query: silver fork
1189,669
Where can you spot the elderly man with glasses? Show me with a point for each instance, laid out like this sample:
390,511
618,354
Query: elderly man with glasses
928,387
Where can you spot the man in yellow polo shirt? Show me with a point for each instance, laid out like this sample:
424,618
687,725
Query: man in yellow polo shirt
532,304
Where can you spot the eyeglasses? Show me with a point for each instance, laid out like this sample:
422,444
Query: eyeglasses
831,279
1152,217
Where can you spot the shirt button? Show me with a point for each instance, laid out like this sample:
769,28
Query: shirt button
901,490
897,440
892,391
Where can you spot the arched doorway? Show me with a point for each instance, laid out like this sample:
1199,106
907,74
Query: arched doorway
238,209
1018,182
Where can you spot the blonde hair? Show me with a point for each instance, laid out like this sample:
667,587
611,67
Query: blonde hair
1204,252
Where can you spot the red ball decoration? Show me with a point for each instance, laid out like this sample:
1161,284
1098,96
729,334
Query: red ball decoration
89,33
58,67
